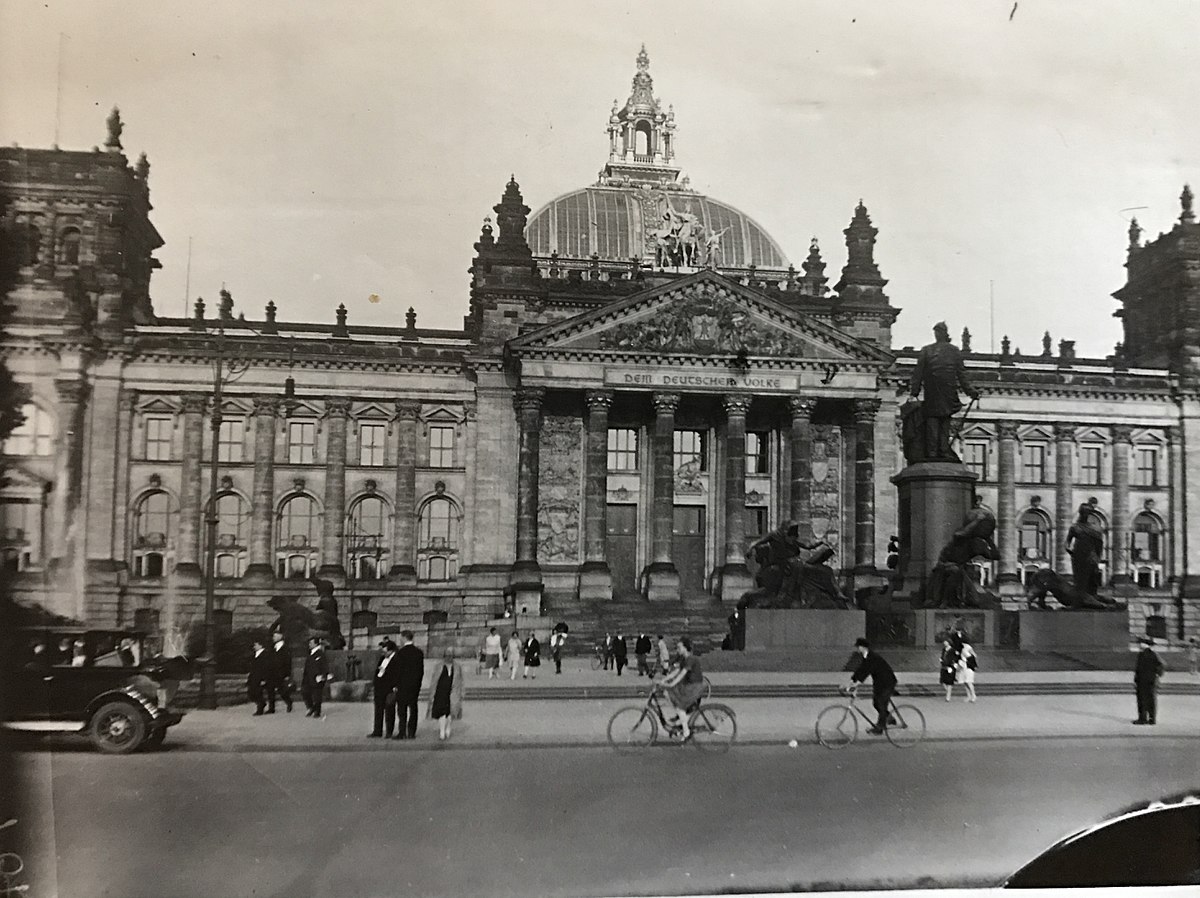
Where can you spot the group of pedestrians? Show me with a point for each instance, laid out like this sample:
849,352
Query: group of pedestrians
958,665
397,685
615,651
270,678
524,655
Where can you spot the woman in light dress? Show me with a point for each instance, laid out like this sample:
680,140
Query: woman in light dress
966,669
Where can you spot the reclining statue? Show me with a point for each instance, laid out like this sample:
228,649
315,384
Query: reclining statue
792,573
298,623
1069,596
950,582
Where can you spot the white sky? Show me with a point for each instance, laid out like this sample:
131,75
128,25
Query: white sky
319,152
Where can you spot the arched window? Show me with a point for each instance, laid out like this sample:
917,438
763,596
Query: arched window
232,527
437,540
35,436
367,539
152,528
641,139
31,245
1033,539
68,246
297,537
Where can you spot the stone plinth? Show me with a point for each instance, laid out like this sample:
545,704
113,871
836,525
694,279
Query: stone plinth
784,628
1051,630
933,624
934,499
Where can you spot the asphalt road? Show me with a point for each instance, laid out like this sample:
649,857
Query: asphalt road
570,821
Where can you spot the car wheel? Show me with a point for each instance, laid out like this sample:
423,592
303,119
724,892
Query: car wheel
118,728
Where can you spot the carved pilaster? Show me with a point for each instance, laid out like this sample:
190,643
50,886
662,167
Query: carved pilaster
333,523
1122,438
68,465
596,476
801,408
404,531
262,511
187,553
663,578
865,411
1006,507
1064,459
529,418
735,577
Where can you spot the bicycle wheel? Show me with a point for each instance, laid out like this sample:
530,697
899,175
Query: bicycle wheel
707,694
837,726
909,728
597,662
632,727
714,727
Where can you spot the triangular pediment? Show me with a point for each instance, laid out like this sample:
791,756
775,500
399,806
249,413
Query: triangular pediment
158,405
19,480
703,314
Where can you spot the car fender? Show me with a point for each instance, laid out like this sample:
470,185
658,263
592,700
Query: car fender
129,695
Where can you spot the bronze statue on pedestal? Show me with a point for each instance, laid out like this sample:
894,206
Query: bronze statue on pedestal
927,424
792,573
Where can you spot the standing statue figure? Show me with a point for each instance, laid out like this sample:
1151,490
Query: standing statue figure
950,583
686,233
940,373
712,247
1085,545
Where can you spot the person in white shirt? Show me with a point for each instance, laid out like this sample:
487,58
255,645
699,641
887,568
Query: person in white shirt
513,652
491,652
557,640
966,669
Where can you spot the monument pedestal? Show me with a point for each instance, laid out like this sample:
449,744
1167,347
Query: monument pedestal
934,624
1049,631
935,497
773,629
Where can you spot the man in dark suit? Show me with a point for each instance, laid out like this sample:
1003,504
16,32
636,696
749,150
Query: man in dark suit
410,664
642,648
387,678
883,681
261,671
620,651
312,680
281,681
1145,682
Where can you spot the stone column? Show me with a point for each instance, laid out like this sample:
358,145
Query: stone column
187,552
1173,557
526,579
333,529
662,579
1122,438
801,475
67,461
404,524
1006,507
595,578
735,576
262,513
865,411
1064,497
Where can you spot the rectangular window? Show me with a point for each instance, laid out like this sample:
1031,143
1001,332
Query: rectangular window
689,450
622,449
756,523
975,457
1089,466
302,442
757,459
441,447
371,440
1033,457
1146,466
158,439
231,439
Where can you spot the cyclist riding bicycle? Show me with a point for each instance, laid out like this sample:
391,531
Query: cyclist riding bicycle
883,681
684,685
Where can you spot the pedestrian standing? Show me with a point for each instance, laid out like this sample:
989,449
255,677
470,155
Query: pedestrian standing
410,670
606,650
641,649
446,697
533,656
948,671
557,640
282,656
620,652
260,674
314,677
491,653
664,654
514,652
384,695
1145,682
1193,655
968,662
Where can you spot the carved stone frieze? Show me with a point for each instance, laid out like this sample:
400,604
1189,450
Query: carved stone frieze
708,321
825,502
560,492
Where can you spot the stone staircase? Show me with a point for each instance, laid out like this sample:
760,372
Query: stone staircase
703,618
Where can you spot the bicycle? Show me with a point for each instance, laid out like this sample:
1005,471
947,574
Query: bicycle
837,725
597,657
713,726
655,667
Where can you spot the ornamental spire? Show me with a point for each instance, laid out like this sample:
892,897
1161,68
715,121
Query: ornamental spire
1185,200
860,279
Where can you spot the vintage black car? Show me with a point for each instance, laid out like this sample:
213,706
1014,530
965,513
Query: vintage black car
96,682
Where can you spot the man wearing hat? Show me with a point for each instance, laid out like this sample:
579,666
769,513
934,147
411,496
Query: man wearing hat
410,670
316,673
386,681
1146,672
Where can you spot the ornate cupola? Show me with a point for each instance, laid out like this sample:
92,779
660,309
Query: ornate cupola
641,136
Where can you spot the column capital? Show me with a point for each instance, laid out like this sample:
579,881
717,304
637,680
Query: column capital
470,410
1064,432
529,399
1122,433
665,403
802,407
736,404
193,403
1007,430
598,399
407,409
266,406
865,410
337,408
70,390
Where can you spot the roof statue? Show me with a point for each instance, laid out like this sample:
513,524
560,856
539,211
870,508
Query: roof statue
115,127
